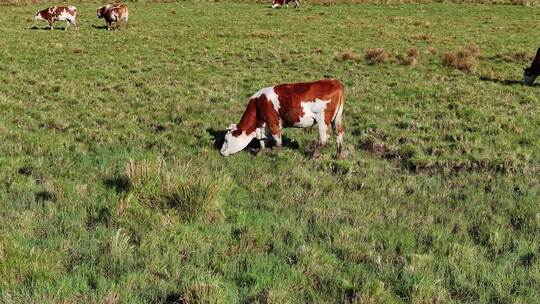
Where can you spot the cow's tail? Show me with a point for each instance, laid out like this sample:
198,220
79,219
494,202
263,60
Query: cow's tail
338,116
337,124
126,18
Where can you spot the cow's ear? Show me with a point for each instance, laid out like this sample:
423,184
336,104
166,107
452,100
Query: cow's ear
231,127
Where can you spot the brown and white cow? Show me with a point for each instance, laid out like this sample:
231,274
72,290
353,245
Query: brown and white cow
530,73
113,13
58,13
297,105
281,3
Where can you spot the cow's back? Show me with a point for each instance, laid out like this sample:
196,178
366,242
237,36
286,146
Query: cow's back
292,95
117,12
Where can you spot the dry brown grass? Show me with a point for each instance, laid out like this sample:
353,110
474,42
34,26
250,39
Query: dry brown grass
449,59
377,55
473,50
520,2
411,58
464,60
414,56
423,37
348,55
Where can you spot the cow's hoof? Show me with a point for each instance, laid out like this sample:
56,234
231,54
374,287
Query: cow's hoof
259,152
313,146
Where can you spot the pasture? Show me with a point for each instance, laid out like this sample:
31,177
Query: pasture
114,191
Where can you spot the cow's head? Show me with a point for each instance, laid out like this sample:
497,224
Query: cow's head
236,140
278,3
530,73
100,11
38,16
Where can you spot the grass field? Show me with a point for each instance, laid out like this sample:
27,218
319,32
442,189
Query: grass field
113,189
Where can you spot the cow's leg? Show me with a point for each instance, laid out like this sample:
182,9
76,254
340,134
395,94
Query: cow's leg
296,3
262,133
51,25
67,25
277,139
338,133
74,23
275,129
262,146
323,137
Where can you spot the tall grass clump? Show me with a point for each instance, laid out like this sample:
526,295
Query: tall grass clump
184,189
348,55
377,55
411,58
464,60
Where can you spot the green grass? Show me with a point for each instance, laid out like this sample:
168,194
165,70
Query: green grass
113,189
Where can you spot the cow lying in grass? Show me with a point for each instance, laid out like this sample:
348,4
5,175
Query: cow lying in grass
113,13
530,73
281,3
58,13
297,105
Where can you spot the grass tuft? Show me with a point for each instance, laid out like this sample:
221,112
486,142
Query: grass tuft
464,60
158,187
376,56
411,58
348,55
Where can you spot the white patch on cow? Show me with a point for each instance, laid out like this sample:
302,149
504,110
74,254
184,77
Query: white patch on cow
275,5
234,144
313,112
263,132
270,95
528,79
65,16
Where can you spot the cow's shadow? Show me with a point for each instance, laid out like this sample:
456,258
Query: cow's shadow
99,27
46,28
509,82
218,136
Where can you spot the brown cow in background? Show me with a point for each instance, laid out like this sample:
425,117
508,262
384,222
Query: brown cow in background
281,3
58,13
113,13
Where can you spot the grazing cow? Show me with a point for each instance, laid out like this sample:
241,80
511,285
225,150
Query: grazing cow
58,13
113,13
530,73
281,3
297,105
